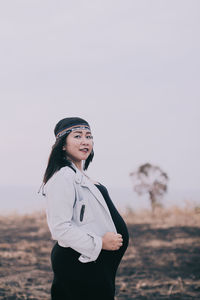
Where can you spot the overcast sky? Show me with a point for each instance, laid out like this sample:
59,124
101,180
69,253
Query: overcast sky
130,68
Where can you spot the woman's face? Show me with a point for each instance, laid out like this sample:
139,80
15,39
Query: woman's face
79,144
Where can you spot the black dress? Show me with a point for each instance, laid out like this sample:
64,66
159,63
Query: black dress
74,280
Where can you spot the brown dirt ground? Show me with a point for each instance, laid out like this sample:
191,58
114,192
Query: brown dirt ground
162,260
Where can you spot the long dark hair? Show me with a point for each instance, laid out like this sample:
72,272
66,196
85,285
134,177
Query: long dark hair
57,159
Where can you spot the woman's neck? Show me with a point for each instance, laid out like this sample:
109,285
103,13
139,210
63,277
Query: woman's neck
78,164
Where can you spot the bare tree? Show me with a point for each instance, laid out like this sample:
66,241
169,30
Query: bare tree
152,180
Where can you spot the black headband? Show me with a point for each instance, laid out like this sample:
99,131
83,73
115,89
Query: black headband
71,128
68,124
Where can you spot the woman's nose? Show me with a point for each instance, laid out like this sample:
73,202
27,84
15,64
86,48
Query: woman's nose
85,140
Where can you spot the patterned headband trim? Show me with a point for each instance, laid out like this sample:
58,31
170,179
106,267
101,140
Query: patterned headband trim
72,128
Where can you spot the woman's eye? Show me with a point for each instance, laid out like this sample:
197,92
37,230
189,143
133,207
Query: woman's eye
78,136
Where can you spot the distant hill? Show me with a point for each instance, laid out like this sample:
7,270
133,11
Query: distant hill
26,199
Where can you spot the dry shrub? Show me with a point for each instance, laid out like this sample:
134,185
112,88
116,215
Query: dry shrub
165,217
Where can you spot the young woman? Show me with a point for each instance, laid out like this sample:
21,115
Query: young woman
90,233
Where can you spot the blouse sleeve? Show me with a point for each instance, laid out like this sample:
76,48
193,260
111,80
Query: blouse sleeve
60,198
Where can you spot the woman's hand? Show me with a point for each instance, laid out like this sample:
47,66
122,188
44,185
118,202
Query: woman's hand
112,241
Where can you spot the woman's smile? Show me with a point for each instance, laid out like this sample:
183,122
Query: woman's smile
84,150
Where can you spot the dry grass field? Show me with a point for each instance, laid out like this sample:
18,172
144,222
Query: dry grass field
162,261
